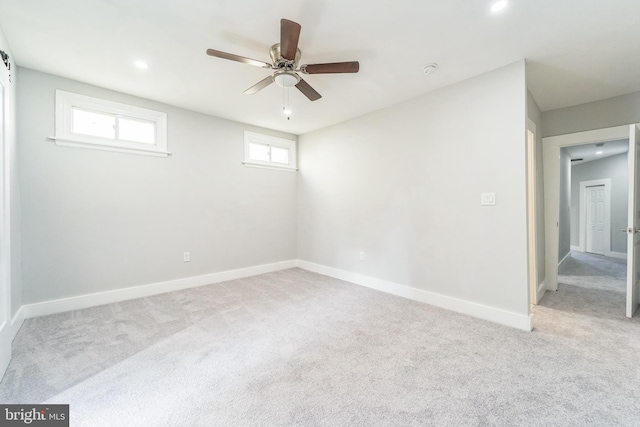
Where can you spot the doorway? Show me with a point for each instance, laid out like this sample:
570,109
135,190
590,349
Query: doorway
535,290
595,237
5,296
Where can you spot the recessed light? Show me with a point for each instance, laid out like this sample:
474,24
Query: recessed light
431,68
141,64
598,152
499,5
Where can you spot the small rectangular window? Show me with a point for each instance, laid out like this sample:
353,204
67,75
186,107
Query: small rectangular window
83,121
280,155
259,152
269,151
93,124
136,130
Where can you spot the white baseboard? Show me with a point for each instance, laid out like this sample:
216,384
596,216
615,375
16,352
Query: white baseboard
492,314
618,255
564,259
17,321
101,298
484,312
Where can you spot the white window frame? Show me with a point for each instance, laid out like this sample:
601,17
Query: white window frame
67,101
271,141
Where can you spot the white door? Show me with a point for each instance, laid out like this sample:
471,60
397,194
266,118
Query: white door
5,296
595,219
633,237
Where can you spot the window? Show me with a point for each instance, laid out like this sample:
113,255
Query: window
83,121
269,151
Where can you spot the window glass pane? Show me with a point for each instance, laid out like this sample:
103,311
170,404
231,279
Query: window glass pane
280,155
259,152
94,124
136,130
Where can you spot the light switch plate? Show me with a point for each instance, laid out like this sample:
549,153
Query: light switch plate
488,199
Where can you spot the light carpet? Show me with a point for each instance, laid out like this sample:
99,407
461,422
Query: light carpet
298,348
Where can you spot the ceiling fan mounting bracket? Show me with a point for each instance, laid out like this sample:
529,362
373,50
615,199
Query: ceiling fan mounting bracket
281,63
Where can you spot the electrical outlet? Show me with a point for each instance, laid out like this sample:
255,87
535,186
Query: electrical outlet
361,256
186,257
488,199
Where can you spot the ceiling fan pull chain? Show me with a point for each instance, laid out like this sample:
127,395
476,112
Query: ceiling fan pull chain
288,105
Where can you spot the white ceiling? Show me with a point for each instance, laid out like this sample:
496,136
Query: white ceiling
577,50
589,152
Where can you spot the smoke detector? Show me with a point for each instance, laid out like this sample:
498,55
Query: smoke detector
431,68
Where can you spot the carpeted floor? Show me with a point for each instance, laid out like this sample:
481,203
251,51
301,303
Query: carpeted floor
590,285
298,348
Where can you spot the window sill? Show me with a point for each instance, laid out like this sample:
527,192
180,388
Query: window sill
69,142
277,168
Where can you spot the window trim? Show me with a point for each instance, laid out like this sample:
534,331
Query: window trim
258,138
67,101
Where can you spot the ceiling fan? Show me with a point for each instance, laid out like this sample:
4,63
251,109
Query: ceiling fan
285,59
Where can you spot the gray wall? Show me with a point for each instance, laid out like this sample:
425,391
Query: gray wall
14,192
616,168
564,226
535,115
95,221
403,185
621,110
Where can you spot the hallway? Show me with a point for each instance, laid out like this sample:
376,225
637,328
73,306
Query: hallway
591,295
591,285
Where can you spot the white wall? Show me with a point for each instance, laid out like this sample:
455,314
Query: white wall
615,168
535,115
96,221
14,194
620,110
403,185
564,226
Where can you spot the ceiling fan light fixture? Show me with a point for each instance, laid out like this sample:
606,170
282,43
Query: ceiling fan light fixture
286,79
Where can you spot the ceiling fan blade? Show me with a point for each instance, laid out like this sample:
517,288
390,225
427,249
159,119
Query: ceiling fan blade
259,86
232,57
335,67
308,91
289,36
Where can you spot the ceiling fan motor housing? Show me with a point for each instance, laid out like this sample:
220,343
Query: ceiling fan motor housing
279,62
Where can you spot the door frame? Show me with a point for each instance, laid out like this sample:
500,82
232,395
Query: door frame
551,146
633,220
6,335
536,290
606,182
